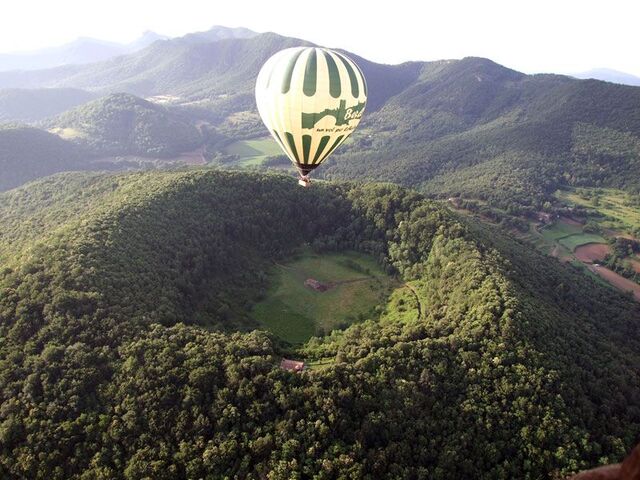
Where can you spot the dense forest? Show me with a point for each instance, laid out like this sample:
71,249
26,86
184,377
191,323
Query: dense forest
128,351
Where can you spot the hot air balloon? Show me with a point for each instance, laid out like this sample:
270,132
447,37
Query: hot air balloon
310,99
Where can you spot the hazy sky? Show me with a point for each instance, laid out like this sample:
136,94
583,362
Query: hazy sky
531,36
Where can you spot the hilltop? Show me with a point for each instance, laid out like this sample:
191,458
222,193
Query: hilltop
121,124
130,350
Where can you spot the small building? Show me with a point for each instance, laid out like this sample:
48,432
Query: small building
291,365
316,285
544,217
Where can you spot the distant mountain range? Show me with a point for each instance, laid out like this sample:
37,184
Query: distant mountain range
609,75
80,51
89,50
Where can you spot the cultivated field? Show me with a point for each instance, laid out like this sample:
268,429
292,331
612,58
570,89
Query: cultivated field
592,252
296,312
560,229
615,206
617,281
574,241
563,237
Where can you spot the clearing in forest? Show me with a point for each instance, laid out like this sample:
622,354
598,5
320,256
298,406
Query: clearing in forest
253,152
295,312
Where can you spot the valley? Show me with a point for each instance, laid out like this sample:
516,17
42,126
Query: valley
137,162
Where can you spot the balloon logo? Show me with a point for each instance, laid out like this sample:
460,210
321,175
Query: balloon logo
311,99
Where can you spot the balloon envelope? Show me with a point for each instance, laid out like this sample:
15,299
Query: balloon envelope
310,99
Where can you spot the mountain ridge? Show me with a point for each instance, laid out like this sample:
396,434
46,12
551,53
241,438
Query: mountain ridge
79,51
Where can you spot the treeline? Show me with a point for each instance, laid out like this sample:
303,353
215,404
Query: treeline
623,248
517,368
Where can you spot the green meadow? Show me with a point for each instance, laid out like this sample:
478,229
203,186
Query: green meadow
296,312
253,152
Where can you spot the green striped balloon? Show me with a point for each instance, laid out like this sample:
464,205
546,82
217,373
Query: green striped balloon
310,99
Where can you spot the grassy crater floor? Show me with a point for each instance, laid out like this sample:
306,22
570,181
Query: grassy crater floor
253,152
295,312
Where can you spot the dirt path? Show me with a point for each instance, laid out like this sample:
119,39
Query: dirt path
415,294
571,221
353,280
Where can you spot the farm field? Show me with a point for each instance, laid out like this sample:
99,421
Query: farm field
616,280
564,237
296,312
619,213
572,242
560,230
592,252
565,240
253,152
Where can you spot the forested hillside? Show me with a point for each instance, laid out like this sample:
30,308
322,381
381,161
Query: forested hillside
106,372
28,153
474,128
123,124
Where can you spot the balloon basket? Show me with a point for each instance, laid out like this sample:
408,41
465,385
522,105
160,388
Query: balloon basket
304,182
